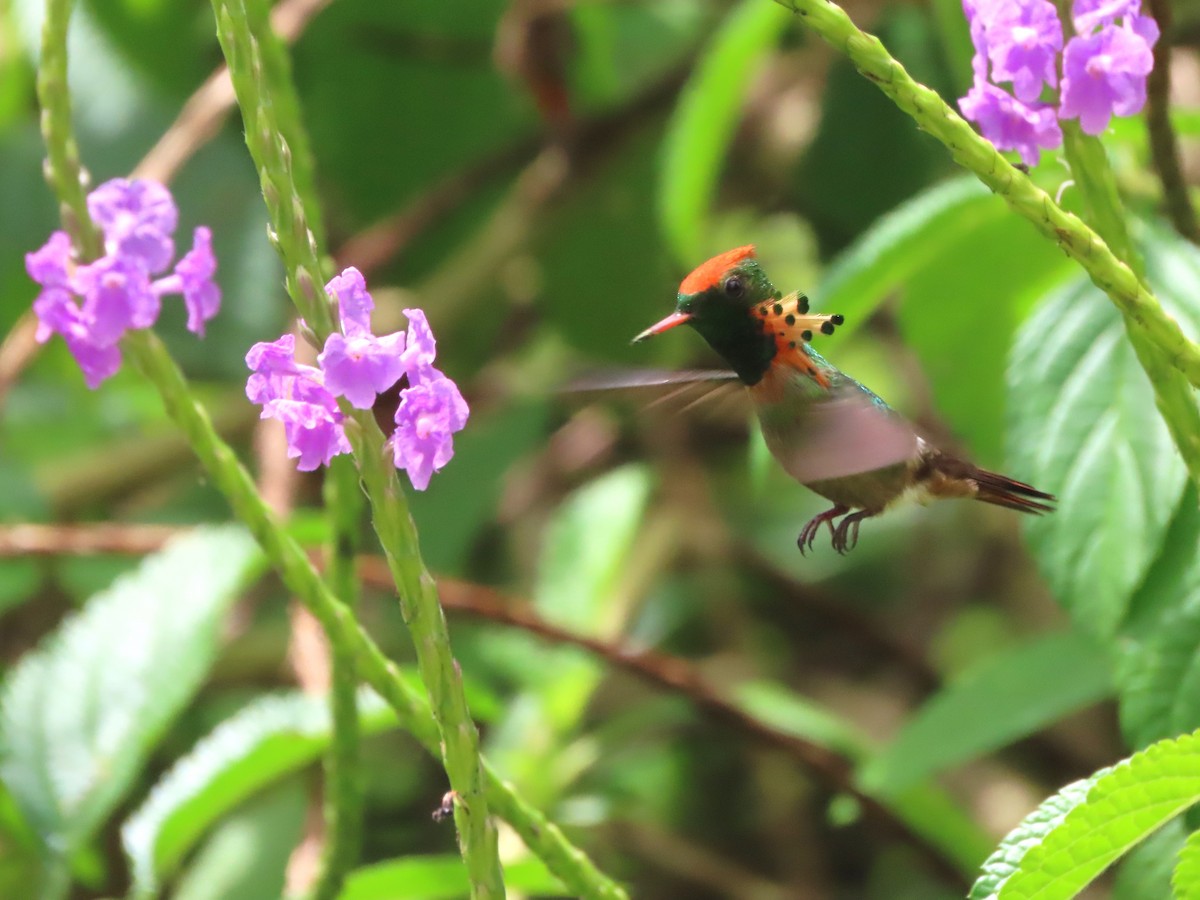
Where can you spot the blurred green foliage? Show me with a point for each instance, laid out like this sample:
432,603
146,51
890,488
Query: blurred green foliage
538,249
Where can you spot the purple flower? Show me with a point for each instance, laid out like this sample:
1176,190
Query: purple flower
296,395
195,271
358,365
57,313
116,293
117,296
314,433
138,219
276,370
1088,15
1105,73
1023,41
361,367
428,414
1010,124
354,302
277,376
1104,68
49,265
421,348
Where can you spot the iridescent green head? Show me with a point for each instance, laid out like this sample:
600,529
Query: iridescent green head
734,306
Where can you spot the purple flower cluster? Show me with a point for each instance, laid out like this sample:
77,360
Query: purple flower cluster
93,305
1018,42
357,365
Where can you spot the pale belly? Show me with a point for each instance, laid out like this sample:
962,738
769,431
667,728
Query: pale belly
850,453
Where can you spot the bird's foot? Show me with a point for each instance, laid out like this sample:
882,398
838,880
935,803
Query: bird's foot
845,536
809,532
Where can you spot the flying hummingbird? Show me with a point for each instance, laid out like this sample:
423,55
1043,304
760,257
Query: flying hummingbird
828,432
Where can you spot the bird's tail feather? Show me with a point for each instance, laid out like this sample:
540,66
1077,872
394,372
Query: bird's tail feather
1010,493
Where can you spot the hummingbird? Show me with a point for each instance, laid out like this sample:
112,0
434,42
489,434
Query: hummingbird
830,433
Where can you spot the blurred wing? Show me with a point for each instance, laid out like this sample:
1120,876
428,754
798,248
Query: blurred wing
849,433
680,389
634,378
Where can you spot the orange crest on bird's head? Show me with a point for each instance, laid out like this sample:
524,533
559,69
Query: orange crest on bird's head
709,273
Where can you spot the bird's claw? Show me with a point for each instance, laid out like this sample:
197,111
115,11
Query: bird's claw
844,534
845,537
808,533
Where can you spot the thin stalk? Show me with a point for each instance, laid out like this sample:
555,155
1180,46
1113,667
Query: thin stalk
294,239
1164,145
1170,360
288,559
1098,186
289,119
291,229
343,765
978,155
62,168
440,672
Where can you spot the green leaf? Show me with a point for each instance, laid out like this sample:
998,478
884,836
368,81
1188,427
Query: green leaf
1160,661
1005,697
1085,427
79,716
582,562
704,121
905,241
969,283
19,862
1000,866
1146,871
468,490
437,877
585,555
1186,880
793,714
866,158
246,857
266,740
1122,807
926,809
581,567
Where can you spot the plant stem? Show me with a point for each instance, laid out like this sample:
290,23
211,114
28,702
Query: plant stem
63,170
346,635
978,155
1097,186
291,228
439,670
1164,146
568,863
1174,395
1170,360
294,239
343,775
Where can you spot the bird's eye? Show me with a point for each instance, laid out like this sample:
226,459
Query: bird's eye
734,287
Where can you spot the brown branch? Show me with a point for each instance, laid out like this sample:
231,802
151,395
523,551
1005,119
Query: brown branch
83,540
134,463
17,352
846,618
701,865
542,172
1164,146
204,112
832,769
